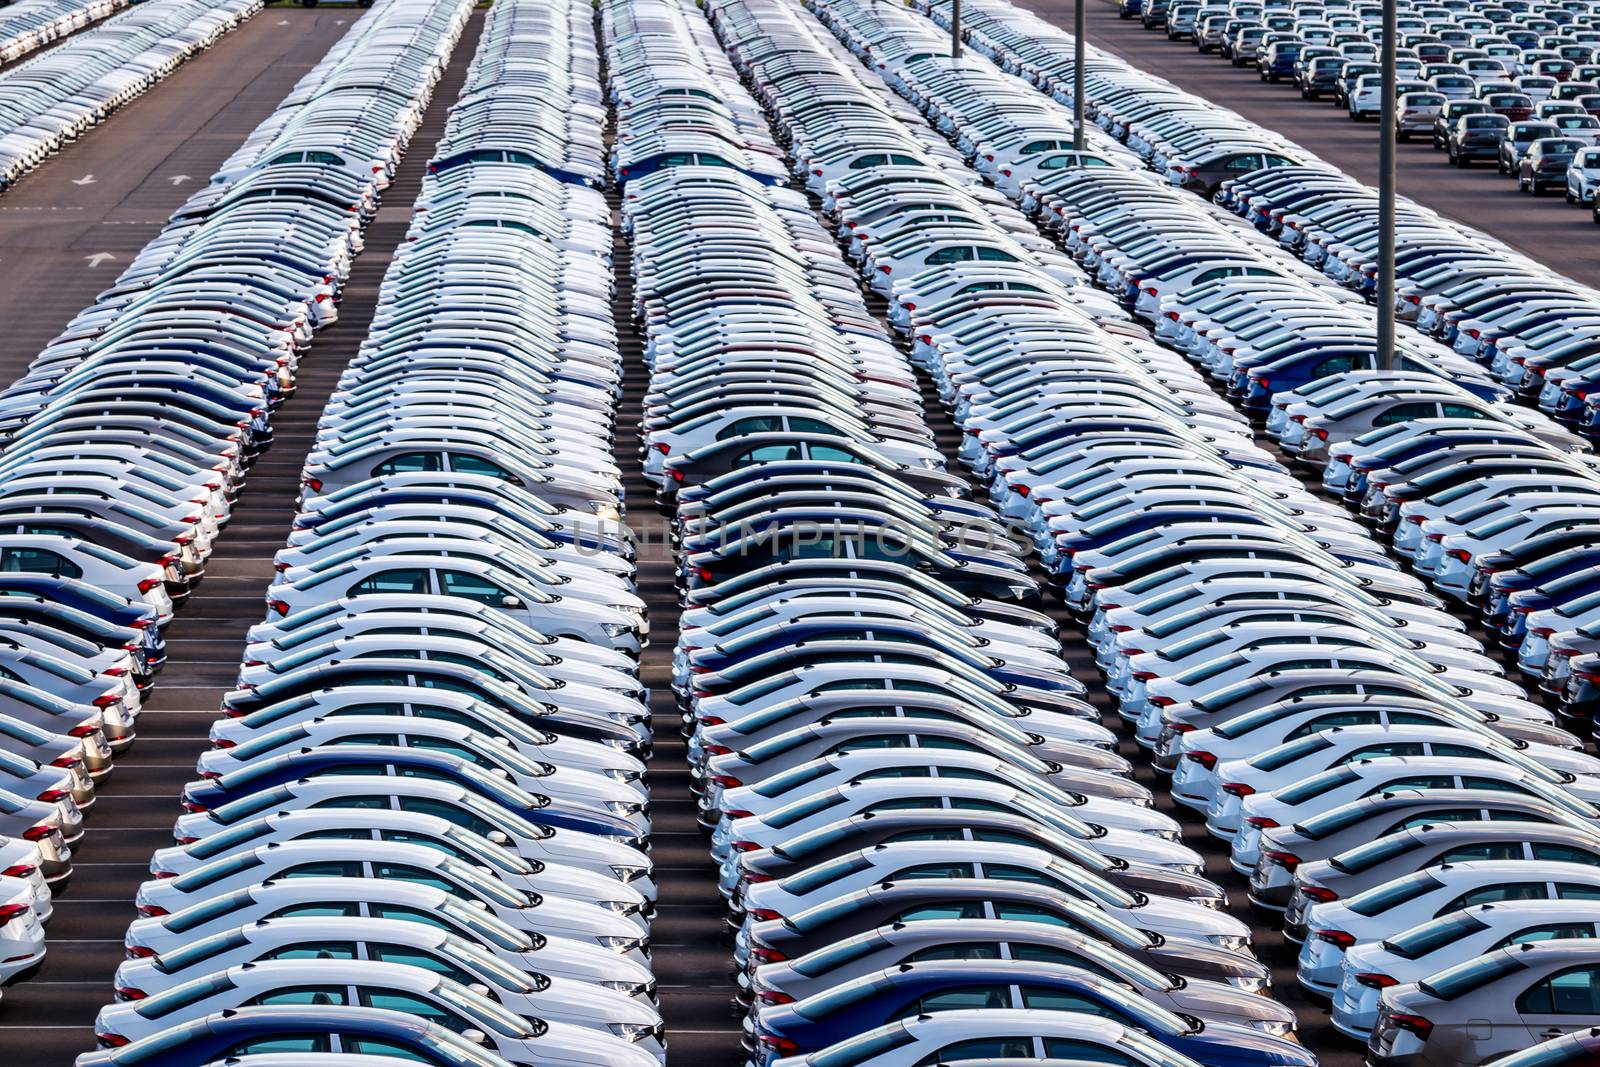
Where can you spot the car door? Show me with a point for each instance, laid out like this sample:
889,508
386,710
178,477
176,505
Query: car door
1557,1004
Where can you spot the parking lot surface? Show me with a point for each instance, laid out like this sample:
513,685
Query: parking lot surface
68,228
1555,233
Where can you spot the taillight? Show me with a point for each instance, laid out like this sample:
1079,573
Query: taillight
11,911
313,484
766,955
18,870
1262,822
1208,760
726,781
1287,860
149,584
280,606
1339,938
52,796
1373,980
140,952
1318,893
38,832
130,993
764,915
780,1045
1415,1024
152,911
110,1040
772,996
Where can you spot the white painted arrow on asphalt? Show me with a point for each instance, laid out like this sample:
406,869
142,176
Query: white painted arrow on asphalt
87,179
178,179
99,258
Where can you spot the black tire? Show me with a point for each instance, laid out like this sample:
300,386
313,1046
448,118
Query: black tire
1570,198
1463,162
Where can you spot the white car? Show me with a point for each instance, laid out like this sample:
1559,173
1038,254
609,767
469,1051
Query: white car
1337,925
300,898
520,1038
1455,937
544,996
1583,176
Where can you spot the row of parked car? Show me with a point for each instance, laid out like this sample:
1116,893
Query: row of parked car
50,100
31,24
930,850
1516,84
124,446
1264,664
422,829
1524,314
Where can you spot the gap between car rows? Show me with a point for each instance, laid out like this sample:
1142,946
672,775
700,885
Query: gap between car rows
688,937
1550,231
53,1013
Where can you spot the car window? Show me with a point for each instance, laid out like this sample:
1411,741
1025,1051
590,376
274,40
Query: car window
1571,992
1492,894
319,995
982,1048
1488,850
410,461
395,1000
1066,1048
472,587
408,580
1553,932
38,561
377,1046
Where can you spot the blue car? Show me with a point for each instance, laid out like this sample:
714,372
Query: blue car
1553,579
92,600
351,1030
1395,453
911,989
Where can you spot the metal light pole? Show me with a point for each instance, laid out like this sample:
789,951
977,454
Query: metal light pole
1077,78
1386,182
955,29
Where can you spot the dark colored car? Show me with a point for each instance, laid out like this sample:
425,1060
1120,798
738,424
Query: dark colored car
1452,113
1277,61
1321,76
1477,137
1545,163
911,989
1518,140
1211,171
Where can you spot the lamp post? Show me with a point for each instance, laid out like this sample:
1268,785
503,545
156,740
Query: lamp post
1386,181
955,29
1077,77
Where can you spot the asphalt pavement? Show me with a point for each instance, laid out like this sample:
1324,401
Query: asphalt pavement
1557,234
69,227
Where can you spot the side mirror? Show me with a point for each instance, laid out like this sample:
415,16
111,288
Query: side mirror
498,837
477,1037
479,988
511,601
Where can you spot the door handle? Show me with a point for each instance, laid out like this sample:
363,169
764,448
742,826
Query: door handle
1554,1031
